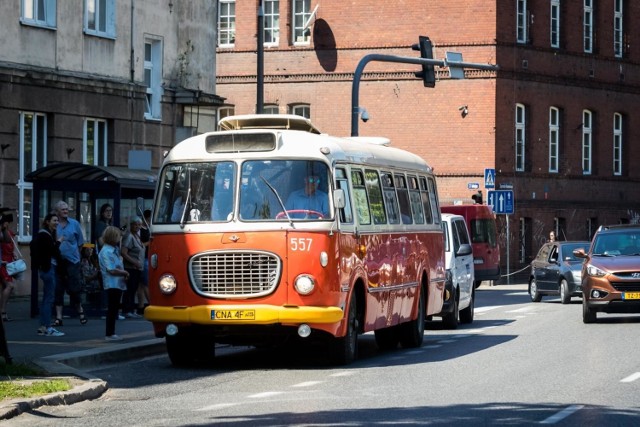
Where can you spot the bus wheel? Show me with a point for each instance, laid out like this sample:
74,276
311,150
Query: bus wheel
345,349
412,333
186,349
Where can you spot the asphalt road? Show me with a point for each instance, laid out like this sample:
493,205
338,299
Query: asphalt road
519,363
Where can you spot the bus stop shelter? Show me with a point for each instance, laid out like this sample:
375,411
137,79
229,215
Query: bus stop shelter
128,190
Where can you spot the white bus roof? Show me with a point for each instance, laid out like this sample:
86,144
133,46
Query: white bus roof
268,121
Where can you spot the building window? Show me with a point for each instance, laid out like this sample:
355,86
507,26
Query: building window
524,245
226,23
226,111
588,26
587,143
99,18
617,28
95,142
41,13
271,109
554,136
521,21
271,22
153,78
555,23
33,155
592,226
301,15
617,144
520,137
303,110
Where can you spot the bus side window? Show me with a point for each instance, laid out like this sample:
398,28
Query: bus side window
403,199
346,215
360,200
390,198
433,195
416,203
376,201
426,200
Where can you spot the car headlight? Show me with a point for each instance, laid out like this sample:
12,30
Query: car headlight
595,271
167,284
304,284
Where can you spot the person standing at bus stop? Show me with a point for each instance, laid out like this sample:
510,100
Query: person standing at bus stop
309,198
114,278
69,271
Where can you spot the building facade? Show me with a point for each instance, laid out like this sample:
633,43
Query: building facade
556,121
99,82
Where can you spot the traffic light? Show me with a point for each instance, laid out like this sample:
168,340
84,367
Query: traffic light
428,73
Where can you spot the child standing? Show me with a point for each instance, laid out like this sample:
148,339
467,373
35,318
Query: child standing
114,277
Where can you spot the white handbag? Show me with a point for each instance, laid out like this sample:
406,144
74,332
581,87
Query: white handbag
18,266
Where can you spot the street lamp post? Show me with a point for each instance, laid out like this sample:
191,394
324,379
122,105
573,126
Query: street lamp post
260,71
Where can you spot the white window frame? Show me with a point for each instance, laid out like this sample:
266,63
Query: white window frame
225,111
588,26
100,18
522,28
618,35
555,24
271,109
271,22
520,137
226,23
39,13
300,13
617,144
303,110
94,146
587,141
33,155
554,139
153,78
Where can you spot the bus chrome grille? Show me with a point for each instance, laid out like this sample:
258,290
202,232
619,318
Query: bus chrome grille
241,274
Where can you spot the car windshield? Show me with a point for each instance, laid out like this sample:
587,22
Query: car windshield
567,251
614,244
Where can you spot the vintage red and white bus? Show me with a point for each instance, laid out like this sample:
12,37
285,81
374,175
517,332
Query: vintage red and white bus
269,230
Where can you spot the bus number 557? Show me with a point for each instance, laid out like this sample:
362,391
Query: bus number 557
301,244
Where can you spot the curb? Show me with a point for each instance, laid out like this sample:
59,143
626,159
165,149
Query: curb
87,386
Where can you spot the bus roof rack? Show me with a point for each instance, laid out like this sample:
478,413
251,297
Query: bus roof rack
268,121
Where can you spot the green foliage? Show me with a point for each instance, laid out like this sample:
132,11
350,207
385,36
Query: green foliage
17,380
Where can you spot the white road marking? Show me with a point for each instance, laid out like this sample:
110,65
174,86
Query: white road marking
562,414
307,384
446,341
342,374
477,310
432,346
522,310
631,378
217,406
265,394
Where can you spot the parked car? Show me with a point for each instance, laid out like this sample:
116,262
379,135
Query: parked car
557,271
459,286
611,272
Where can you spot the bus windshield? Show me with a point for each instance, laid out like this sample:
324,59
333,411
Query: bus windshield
258,190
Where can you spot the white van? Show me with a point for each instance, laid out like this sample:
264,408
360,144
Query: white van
460,290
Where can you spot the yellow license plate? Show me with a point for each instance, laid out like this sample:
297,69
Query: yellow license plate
233,314
631,295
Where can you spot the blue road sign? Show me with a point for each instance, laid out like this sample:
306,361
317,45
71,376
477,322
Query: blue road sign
489,178
501,201
473,185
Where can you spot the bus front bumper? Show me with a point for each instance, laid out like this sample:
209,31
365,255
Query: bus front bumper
243,314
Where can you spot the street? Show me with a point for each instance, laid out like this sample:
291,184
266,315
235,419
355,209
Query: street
518,363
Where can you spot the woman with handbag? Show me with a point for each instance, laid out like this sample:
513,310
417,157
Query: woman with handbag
7,248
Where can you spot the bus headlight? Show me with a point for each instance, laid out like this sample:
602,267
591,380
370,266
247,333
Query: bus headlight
167,284
304,284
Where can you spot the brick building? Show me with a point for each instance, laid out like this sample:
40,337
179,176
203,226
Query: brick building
556,121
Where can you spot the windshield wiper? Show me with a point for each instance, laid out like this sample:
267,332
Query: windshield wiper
279,199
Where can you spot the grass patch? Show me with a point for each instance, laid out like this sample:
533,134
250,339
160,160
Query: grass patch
17,380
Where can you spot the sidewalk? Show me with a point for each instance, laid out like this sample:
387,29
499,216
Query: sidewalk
81,347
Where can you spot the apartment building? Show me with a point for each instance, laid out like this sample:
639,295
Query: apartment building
92,81
556,121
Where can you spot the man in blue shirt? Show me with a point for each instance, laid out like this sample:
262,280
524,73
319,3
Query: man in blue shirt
69,272
309,198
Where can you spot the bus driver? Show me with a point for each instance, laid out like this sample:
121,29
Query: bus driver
309,198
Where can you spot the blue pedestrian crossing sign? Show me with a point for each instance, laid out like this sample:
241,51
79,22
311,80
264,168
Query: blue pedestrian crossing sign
501,201
489,178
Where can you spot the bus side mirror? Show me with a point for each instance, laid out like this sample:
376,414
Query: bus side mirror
339,199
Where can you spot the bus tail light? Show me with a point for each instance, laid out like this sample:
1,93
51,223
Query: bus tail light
304,284
167,284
